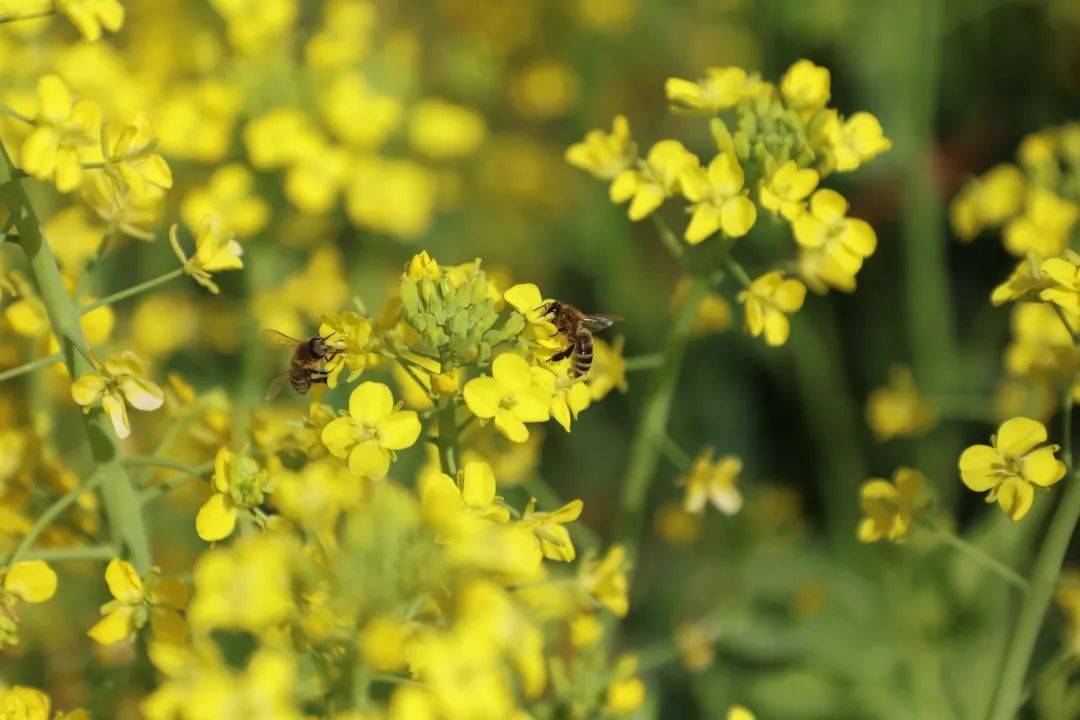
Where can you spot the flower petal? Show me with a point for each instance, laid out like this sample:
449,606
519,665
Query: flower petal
216,518
483,396
370,402
1018,435
1041,468
479,484
980,467
1014,497
370,460
31,580
114,627
398,430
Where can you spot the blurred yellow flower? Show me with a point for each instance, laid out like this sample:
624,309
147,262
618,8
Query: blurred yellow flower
605,580
713,481
443,130
608,369
25,703
63,130
843,242
90,16
720,202
514,394
768,301
890,507
805,86
897,409
229,196
738,712
602,154
550,529
1012,466
626,691
1063,276
647,186
359,116
544,89
383,643
852,142
31,581
372,431
786,191
720,89
1043,229
128,156
391,196
122,378
987,201
134,604
214,252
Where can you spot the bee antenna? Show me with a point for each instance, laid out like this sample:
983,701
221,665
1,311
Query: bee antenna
327,337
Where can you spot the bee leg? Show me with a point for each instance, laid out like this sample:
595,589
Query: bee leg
319,380
562,355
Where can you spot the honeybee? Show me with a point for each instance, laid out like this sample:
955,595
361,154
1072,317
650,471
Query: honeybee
307,366
577,327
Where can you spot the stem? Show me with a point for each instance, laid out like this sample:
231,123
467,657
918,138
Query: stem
169,463
448,434
121,504
667,235
1066,428
991,563
735,268
30,16
644,454
89,552
134,290
678,457
1042,584
51,513
153,493
643,362
30,366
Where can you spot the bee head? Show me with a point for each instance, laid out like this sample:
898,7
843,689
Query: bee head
320,348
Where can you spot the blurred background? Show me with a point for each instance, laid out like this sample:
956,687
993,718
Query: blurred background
460,112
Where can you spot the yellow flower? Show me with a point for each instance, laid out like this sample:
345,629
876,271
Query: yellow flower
122,378
238,483
540,333
713,481
372,431
889,507
602,154
850,143
358,115
214,252
1012,466
1044,227
897,410
1025,284
720,89
383,644
570,399
229,196
134,604
768,302
1063,275
351,334
608,369
280,138
389,195
719,200
89,16
514,394
805,86
987,201
1068,598
128,157
443,501
443,130
605,580
655,179
626,692
549,528
787,190
31,581
24,703
63,128
841,242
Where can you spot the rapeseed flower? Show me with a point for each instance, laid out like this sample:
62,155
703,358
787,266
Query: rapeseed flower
720,202
1043,229
720,89
214,252
137,601
655,179
64,130
514,394
239,484
550,530
1063,278
371,431
122,380
805,87
605,155
768,301
786,191
890,507
1012,466
713,481
90,16
29,581
842,242
897,409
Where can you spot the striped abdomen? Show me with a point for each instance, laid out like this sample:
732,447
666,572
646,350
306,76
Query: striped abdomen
581,358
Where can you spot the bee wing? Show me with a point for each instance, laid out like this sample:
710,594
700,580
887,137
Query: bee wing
275,338
277,386
595,322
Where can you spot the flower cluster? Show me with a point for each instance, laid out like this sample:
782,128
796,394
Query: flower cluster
774,144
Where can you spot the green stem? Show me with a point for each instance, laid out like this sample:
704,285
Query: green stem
1043,581
121,504
61,554
30,366
162,462
448,434
4,18
643,362
667,236
153,493
733,266
51,513
989,562
134,290
644,454
678,457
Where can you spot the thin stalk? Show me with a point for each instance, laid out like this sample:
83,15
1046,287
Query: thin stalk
667,236
733,266
62,554
153,493
30,366
980,556
121,504
7,18
51,513
643,362
678,457
168,463
644,454
448,434
131,291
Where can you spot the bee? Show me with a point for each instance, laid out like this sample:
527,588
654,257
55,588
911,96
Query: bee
307,366
577,327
